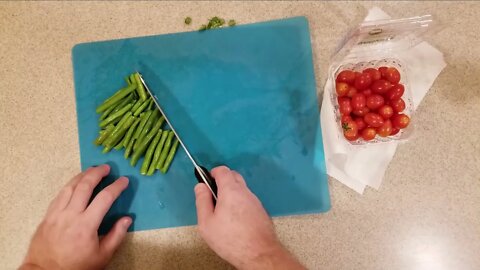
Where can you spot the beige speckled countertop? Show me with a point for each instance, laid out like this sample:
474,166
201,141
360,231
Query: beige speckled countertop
426,214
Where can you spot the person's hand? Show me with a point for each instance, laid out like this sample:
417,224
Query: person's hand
67,237
238,228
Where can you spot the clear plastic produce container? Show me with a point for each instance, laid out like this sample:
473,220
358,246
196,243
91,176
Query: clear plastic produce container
376,44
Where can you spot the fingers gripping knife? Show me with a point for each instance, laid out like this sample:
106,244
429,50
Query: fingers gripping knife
201,173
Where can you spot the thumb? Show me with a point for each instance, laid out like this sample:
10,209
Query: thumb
111,241
203,202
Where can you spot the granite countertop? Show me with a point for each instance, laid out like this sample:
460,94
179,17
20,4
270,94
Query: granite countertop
425,215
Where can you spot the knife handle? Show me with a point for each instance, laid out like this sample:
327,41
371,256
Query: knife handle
209,178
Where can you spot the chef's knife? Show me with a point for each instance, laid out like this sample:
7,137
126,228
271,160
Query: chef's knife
201,173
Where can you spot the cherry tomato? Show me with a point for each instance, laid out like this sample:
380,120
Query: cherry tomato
392,75
361,112
346,76
374,73
360,123
386,129
394,131
344,105
395,92
357,74
368,133
383,70
363,81
381,86
397,104
373,120
346,118
341,89
374,102
351,91
367,92
358,101
386,111
350,130
400,120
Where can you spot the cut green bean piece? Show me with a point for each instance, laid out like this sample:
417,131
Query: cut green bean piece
148,156
127,80
129,148
140,89
142,124
151,121
104,135
113,99
130,132
142,107
158,151
116,115
170,156
165,150
137,153
112,139
137,104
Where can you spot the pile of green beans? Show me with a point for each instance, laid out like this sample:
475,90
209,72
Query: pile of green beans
129,119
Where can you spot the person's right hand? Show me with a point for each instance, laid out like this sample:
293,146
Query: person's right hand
238,228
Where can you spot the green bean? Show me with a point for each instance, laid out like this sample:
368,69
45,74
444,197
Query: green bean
151,104
106,132
140,89
141,108
116,97
142,124
165,150
117,107
136,106
118,136
143,146
149,154
170,156
129,148
111,141
130,131
158,151
116,115
153,118
127,79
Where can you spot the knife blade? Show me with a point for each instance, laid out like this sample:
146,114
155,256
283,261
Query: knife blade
201,173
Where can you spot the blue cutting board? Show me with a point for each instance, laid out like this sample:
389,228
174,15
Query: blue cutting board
242,96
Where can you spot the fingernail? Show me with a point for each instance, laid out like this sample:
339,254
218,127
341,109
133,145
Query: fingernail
127,222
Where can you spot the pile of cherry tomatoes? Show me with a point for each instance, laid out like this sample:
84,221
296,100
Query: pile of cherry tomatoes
371,103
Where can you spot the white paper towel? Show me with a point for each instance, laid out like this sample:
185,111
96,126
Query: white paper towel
359,166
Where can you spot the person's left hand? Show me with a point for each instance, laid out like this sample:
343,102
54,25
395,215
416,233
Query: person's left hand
67,237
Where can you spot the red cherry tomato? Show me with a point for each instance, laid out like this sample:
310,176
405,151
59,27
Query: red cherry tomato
381,86
392,75
374,73
344,105
397,104
400,121
386,111
395,92
351,91
358,101
383,70
386,129
368,133
361,112
350,130
373,120
341,89
374,102
346,76
367,92
360,123
363,81
394,131
346,118
357,74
